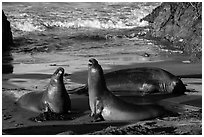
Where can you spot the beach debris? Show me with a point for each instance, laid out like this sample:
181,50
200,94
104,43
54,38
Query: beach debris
108,36
146,55
18,124
53,64
51,116
142,33
132,35
6,117
12,121
186,61
55,37
66,74
68,133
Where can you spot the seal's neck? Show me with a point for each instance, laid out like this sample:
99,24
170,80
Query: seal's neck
96,82
56,82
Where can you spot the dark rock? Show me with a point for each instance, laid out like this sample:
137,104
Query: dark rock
181,24
7,38
7,42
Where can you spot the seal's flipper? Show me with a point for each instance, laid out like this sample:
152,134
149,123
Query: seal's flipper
98,110
79,90
46,108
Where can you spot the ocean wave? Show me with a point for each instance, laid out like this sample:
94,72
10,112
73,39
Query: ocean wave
94,24
30,25
27,26
43,16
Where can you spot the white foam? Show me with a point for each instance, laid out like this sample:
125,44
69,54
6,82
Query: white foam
124,17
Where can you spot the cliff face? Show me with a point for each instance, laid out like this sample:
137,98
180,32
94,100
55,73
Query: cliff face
181,24
7,38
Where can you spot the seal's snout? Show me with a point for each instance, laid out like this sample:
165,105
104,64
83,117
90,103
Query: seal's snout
59,71
179,87
92,62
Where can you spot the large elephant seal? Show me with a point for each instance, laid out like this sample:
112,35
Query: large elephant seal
141,81
145,81
55,98
105,105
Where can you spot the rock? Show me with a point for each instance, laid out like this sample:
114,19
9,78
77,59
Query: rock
146,55
53,64
7,42
181,24
7,38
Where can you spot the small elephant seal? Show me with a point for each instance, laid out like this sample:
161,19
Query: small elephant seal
55,98
105,105
141,81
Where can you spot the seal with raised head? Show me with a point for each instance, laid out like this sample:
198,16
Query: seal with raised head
105,105
55,98
141,81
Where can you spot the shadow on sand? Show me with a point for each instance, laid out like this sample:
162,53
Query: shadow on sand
56,129
7,59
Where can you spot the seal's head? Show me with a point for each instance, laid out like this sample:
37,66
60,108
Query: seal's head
57,76
95,75
59,73
178,86
93,64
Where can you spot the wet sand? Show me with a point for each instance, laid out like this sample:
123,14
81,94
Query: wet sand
35,76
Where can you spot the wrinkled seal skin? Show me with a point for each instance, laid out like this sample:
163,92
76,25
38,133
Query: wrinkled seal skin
142,81
105,105
55,98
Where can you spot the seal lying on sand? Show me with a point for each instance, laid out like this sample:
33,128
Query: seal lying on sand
141,81
55,98
105,105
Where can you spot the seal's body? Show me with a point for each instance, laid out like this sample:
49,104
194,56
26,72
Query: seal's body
142,81
55,98
105,105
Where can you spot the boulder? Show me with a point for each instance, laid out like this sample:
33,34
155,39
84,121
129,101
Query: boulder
181,24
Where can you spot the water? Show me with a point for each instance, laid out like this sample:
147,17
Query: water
31,17
80,30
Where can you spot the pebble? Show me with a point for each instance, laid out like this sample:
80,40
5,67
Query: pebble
186,61
66,74
18,124
11,121
5,117
53,64
55,37
146,55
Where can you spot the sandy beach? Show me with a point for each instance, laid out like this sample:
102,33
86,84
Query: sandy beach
43,36
35,77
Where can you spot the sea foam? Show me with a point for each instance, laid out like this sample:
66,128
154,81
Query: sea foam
119,16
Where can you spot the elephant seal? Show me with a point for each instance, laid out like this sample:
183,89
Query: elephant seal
105,105
55,98
141,81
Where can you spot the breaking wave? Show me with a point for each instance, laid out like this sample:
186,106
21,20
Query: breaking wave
108,16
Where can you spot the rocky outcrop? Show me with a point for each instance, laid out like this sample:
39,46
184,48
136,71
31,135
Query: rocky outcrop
7,42
7,38
181,24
